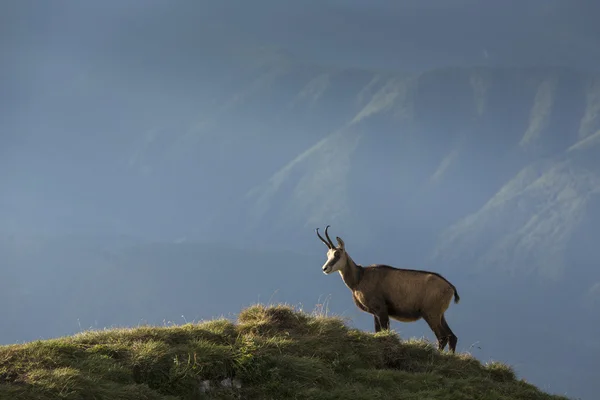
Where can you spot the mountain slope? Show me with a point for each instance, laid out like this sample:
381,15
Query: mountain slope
295,145
525,228
427,150
271,353
270,150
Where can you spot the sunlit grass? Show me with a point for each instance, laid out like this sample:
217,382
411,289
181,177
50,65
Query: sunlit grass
273,352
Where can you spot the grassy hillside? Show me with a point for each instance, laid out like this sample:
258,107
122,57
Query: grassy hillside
270,353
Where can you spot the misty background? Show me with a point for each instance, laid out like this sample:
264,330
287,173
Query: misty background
163,162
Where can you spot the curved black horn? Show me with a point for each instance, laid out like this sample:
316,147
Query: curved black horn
323,240
328,238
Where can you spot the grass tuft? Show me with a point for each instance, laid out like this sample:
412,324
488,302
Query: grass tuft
273,352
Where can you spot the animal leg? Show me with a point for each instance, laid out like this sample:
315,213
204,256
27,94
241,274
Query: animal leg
450,335
377,323
443,341
445,334
382,321
435,325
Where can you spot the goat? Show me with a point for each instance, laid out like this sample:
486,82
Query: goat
405,295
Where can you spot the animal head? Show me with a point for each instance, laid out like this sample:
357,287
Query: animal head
336,255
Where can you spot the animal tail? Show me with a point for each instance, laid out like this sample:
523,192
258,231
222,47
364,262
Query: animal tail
456,296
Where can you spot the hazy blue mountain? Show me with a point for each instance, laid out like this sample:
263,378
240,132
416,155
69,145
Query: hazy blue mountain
484,174
474,172
446,150
160,160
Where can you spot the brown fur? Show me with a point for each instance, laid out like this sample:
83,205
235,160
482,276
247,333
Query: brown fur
402,294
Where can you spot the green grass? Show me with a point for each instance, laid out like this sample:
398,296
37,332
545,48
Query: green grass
274,352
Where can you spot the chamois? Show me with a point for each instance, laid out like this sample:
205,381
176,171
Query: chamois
405,295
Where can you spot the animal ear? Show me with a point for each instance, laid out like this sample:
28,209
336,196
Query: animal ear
340,242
